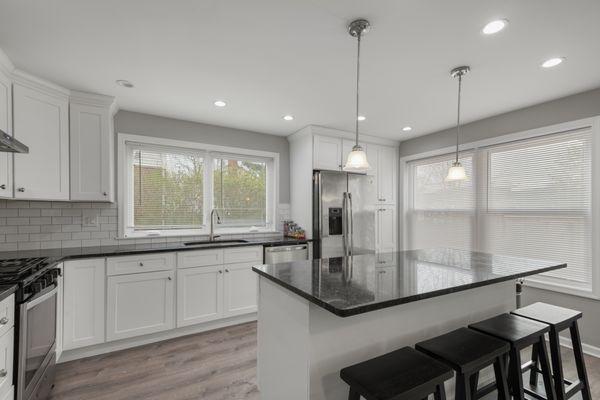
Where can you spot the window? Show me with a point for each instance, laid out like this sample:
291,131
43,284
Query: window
530,197
169,188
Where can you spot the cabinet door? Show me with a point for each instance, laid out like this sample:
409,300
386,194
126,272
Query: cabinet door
83,302
386,175
41,122
199,295
386,229
139,304
59,312
91,153
6,159
7,360
327,153
241,289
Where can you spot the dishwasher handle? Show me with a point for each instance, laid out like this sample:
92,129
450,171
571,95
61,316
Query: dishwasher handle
281,249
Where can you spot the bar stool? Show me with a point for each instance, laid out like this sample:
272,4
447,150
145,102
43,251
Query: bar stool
468,352
520,333
403,374
559,319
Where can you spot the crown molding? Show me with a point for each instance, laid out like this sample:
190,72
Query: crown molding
26,79
322,130
6,65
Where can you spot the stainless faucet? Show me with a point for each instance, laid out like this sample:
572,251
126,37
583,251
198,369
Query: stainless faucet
211,235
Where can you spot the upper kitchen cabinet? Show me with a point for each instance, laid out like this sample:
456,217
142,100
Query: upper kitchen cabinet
6,159
92,147
386,162
41,121
327,153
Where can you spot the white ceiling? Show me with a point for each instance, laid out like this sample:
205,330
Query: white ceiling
268,58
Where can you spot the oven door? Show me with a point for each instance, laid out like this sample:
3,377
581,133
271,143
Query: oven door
37,343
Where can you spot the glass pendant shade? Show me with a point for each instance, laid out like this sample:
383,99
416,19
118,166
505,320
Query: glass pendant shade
456,172
357,161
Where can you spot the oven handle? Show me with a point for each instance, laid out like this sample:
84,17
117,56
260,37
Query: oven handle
41,296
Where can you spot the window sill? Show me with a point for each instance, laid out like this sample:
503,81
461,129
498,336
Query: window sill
197,233
564,289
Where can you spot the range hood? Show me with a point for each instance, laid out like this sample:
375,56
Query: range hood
10,144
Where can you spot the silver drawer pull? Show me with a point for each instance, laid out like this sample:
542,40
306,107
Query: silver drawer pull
3,321
3,186
3,373
21,190
141,264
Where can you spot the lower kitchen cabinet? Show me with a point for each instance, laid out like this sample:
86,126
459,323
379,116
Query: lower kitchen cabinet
199,295
59,314
139,304
83,302
240,290
7,345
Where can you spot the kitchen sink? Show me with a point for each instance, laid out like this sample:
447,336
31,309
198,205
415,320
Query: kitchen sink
215,243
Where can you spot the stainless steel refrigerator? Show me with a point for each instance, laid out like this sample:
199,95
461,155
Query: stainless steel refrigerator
343,214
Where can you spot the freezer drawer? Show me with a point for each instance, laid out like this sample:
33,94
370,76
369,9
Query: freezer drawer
281,254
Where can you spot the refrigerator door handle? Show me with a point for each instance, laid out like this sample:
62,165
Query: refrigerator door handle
351,232
345,222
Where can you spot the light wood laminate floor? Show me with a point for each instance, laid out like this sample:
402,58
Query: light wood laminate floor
216,365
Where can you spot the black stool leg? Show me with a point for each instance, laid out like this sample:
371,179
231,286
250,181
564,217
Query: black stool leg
546,371
516,376
353,395
501,381
557,370
440,392
473,383
463,387
580,361
533,375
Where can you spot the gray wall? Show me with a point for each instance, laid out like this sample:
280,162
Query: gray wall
582,105
151,125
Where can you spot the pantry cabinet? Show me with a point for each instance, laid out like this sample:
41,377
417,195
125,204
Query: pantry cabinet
41,121
386,236
83,302
91,147
6,159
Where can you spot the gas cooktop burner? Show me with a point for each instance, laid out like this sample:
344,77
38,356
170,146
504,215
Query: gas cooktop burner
18,269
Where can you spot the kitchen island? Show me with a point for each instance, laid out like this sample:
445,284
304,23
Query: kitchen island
316,317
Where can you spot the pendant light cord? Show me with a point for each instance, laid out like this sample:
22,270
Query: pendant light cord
458,114
357,83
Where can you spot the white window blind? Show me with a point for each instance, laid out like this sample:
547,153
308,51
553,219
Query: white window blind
539,204
167,188
442,212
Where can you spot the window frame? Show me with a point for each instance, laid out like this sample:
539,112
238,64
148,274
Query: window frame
208,152
480,167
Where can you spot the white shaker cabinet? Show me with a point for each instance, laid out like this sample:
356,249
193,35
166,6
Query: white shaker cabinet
327,153
92,147
83,302
199,294
139,304
41,121
240,289
387,176
6,159
386,229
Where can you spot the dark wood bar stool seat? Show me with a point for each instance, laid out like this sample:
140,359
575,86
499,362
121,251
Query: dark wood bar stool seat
559,319
521,333
403,374
468,352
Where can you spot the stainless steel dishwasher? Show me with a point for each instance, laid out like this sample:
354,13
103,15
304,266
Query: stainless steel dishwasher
286,253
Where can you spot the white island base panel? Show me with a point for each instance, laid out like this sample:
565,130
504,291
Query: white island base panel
302,347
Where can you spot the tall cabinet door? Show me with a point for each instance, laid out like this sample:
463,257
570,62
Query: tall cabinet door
6,159
139,304
83,302
92,153
41,121
327,153
241,289
199,295
386,175
386,229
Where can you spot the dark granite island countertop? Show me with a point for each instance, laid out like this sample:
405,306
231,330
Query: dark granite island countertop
349,286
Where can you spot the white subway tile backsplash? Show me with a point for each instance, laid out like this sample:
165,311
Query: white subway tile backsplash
71,212
61,236
50,228
71,228
40,204
61,204
20,237
8,247
40,220
29,229
51,244
29,245
17,221
62,220
51,212
80,235
9,229
71,243
9,212
17,204
29,212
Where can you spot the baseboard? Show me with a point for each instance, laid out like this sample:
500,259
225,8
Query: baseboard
587,349
75,354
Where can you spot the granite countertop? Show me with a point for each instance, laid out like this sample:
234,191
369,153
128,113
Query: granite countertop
7,290
349,286
58,255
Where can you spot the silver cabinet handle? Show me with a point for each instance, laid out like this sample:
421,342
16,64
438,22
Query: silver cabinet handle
226,270
169,278
141,264
3,186
104,194
3,321
3,373
21,190
220,271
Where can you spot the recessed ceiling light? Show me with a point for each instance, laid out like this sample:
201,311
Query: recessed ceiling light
288,117
220,103
361,117
553,62
494,26
124,83
407,129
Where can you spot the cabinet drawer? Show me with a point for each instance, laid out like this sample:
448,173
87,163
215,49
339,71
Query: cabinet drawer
243,254
7,360
200,258
7,314
140,263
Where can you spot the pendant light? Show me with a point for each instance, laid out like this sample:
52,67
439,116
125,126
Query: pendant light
357,159
457,171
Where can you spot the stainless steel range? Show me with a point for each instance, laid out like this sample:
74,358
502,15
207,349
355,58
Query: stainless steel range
36,307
